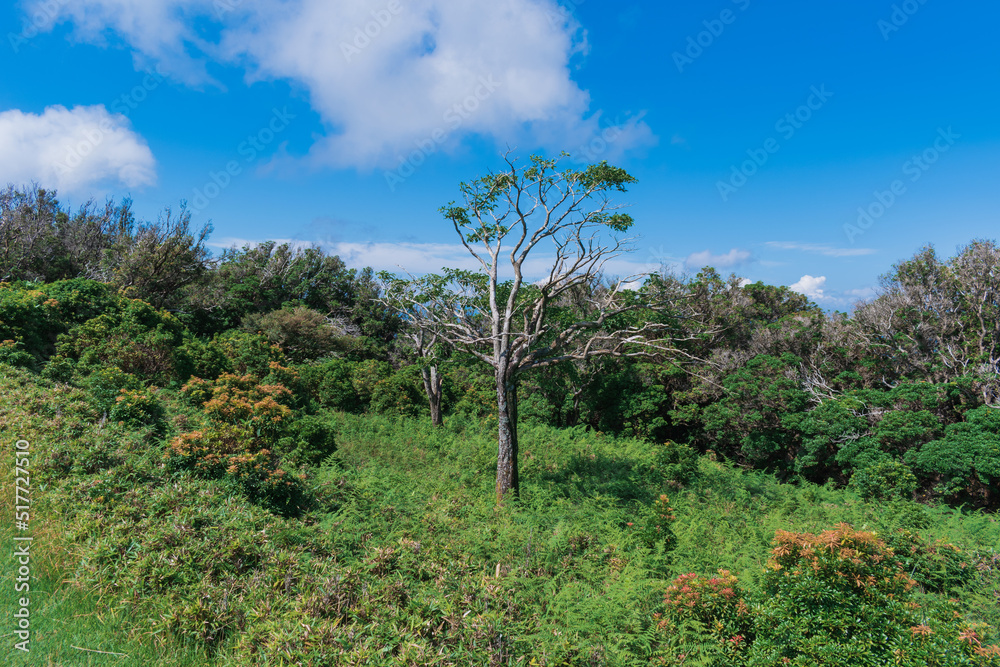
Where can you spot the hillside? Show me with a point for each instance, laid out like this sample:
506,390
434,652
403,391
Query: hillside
401,556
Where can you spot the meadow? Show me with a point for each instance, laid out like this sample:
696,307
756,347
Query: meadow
400,555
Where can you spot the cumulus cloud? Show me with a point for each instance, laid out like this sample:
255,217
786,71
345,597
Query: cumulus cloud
733,258
821,249
388,77
810,286
73,149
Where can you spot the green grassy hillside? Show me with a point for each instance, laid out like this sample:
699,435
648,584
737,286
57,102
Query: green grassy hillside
399,556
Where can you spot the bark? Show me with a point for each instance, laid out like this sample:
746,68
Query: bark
507,473
432,386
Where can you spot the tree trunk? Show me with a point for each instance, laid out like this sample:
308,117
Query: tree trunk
432,385
507,475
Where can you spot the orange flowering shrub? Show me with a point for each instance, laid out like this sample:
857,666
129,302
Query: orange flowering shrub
241,399
845,558
236,453
846,594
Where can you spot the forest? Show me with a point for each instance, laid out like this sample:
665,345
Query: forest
263,456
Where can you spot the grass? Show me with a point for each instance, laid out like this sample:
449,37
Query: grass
404,557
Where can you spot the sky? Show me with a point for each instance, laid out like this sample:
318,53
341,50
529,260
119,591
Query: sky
808,144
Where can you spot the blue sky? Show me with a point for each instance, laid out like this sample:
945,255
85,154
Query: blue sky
756,130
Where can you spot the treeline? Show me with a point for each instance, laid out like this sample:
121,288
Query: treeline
899,399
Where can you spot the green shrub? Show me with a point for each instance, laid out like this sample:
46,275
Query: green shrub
59,368
80,299
966,462
29,317
400,393
301,332
310,441
938,566
122,398
843,597
248,353
12,355
884,480
656,529
366,375
677,463
139,339
328,384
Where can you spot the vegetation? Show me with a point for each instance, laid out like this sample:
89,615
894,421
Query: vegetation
242,463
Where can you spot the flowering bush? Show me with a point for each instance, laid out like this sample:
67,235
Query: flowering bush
843,597
241,399
236,453
712,608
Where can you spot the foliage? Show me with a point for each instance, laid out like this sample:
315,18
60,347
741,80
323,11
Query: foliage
966,461
121,397
155,261
242,400
707,618
239,455
138,339
884,479
12,355
843,595
247,353
328,384
757,419
302,333
400,553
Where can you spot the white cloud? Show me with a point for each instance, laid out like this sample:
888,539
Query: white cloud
386,76
810,286
422,258
733,258
73,150
861,293
821,249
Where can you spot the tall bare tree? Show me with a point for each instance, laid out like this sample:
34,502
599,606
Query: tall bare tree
540,237
940,319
